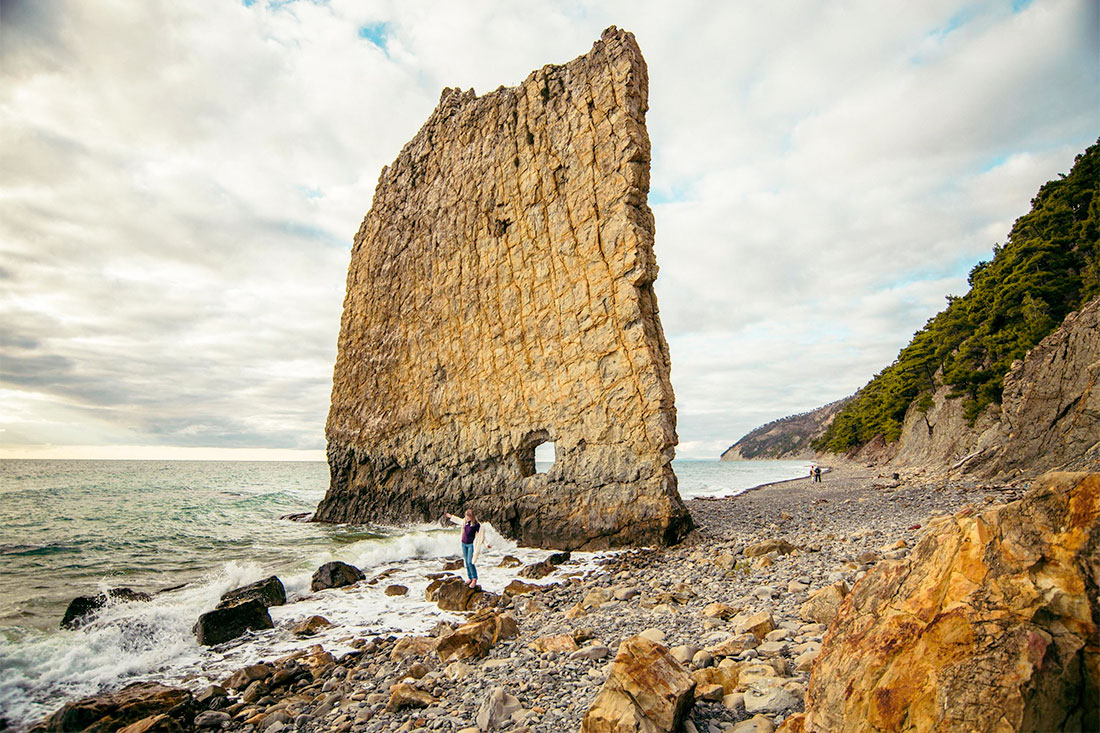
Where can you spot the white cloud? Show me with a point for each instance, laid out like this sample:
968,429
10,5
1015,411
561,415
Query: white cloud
183,181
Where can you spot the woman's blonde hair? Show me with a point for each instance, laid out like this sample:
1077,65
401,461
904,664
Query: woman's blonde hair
471,516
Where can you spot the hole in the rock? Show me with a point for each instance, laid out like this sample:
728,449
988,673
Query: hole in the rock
545,454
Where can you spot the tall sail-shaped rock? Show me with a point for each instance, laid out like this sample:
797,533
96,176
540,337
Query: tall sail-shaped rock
500,295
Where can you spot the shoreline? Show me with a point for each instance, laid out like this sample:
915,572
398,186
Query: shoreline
667,589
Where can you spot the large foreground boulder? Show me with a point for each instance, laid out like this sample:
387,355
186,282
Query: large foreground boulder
989,625
223,624
119,709
646,691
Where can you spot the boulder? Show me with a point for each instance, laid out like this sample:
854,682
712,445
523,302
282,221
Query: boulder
518,587
509,561
723,611
555,643
314,658
496,710
396,590
757,624
725,677
222,624
310,626
735,645
81,607
473,639
160,723
823,604
767,695
413,646
450,593
756,549
646,690
482,599
211,719
709,693
989,624
335,575
538,570
404,695
756,724
245,676
269,590
119,709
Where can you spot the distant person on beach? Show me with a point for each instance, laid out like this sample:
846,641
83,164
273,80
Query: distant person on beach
473,539
817,474
812,473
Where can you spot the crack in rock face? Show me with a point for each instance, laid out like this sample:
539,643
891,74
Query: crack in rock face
499,296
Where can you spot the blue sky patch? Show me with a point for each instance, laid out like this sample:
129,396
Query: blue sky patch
376,33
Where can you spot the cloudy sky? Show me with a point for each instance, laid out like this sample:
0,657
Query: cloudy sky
180,183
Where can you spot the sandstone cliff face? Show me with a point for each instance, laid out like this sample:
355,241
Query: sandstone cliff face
990,624
500,294
1049,417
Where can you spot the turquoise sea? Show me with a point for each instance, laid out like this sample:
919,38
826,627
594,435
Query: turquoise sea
187,531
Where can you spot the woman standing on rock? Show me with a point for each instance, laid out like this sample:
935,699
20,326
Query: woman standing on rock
473,539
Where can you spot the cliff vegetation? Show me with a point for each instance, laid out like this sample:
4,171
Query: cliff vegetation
1048,267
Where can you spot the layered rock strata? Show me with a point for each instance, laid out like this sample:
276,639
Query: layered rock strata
990,624
500,295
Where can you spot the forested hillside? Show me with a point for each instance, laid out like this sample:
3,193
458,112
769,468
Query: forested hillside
1048,267
789,437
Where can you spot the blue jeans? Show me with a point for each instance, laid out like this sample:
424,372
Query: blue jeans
468,557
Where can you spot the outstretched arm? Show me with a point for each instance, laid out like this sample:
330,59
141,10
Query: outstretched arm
453,518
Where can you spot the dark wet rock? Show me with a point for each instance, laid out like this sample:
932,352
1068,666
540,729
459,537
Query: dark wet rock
119,709
335,575
211,719
298,517
223,624
81,607
518,587
538,570
269,590
160,723
310,626
245,675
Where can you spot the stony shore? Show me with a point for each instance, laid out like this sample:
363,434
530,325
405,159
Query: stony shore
733,595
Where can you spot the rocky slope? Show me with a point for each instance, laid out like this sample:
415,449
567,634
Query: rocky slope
1049,418
500,294
988,624
789,437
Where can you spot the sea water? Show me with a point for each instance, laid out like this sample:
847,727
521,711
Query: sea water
188,531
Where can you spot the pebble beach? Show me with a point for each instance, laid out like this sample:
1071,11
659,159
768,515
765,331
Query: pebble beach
733,596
